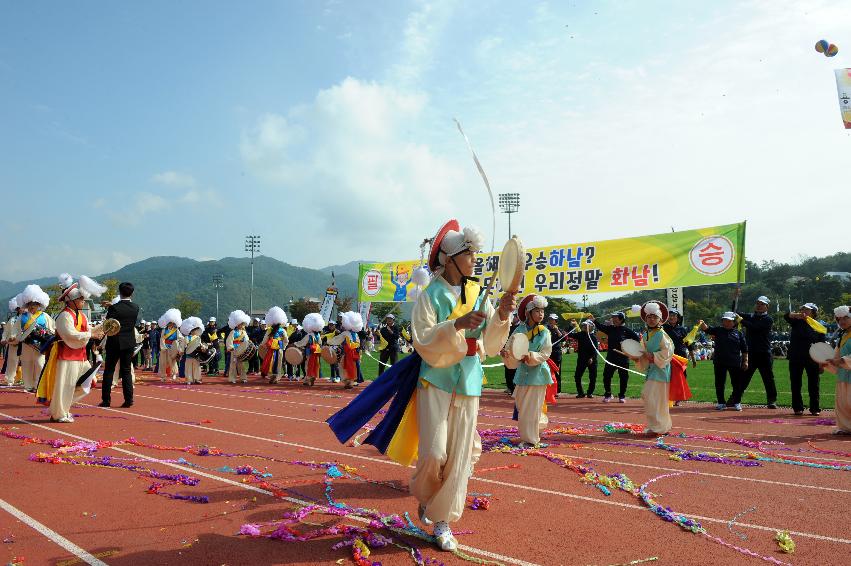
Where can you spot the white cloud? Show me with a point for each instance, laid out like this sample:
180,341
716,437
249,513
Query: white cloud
145,202
421,34
348,165
174,179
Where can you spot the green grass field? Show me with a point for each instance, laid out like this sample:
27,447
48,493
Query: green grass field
701,380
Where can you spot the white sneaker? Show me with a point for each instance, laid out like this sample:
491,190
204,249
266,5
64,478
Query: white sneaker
607,399
621,400
67,419
444,537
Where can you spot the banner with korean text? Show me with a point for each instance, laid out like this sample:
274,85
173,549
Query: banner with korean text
705,256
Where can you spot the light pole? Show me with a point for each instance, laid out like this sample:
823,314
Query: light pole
252,245
218,283
509,203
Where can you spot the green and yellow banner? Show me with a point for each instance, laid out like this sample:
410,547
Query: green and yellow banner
706,256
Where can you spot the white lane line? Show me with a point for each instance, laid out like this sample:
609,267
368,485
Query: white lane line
830,459
608,438
633,506
484,480
391,463
51,534
196,472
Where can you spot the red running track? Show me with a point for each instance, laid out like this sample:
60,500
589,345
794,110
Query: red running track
539,512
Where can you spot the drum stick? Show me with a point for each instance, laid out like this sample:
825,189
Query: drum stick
487,292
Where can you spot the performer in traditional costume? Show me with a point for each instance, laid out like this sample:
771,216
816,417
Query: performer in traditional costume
210,337
191,328
67,360
841,364
170,344
349,341
274,343
436,390
311,343
10,343
534,374
237,321
656,363
330,332
34,322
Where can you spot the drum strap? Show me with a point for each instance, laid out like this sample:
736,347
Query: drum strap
33,319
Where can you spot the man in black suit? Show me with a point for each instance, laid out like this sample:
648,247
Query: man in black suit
119,348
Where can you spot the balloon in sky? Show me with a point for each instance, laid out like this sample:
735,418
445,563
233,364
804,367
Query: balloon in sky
825,48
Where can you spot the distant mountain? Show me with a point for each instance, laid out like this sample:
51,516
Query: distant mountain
159,280
351,268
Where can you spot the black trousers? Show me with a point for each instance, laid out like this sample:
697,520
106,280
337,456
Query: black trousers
623,375
557,376
721,371
254,364
764,362
213,365
125,359
509,379
796,374
581,365
387,356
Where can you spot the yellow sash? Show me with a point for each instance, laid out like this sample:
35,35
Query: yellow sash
47,381
32,320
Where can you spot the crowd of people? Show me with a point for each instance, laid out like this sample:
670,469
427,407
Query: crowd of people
453,329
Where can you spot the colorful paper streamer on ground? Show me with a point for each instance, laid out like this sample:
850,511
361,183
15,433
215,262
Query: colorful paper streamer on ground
705,256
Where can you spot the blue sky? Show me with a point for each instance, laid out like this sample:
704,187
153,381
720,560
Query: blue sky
160,128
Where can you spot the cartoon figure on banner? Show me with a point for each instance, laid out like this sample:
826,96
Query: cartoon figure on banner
401,278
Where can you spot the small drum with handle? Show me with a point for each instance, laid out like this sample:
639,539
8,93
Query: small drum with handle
515,349
294,356
39,338
245,350
632,348
821,352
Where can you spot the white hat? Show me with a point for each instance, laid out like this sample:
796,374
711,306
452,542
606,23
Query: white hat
276,315
811,306
293,321
842,311
390,315
212,319
729,315
13,304
352,321
34,294
554,316
170,316
313,322
238,317
256,319
190,324
763,299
